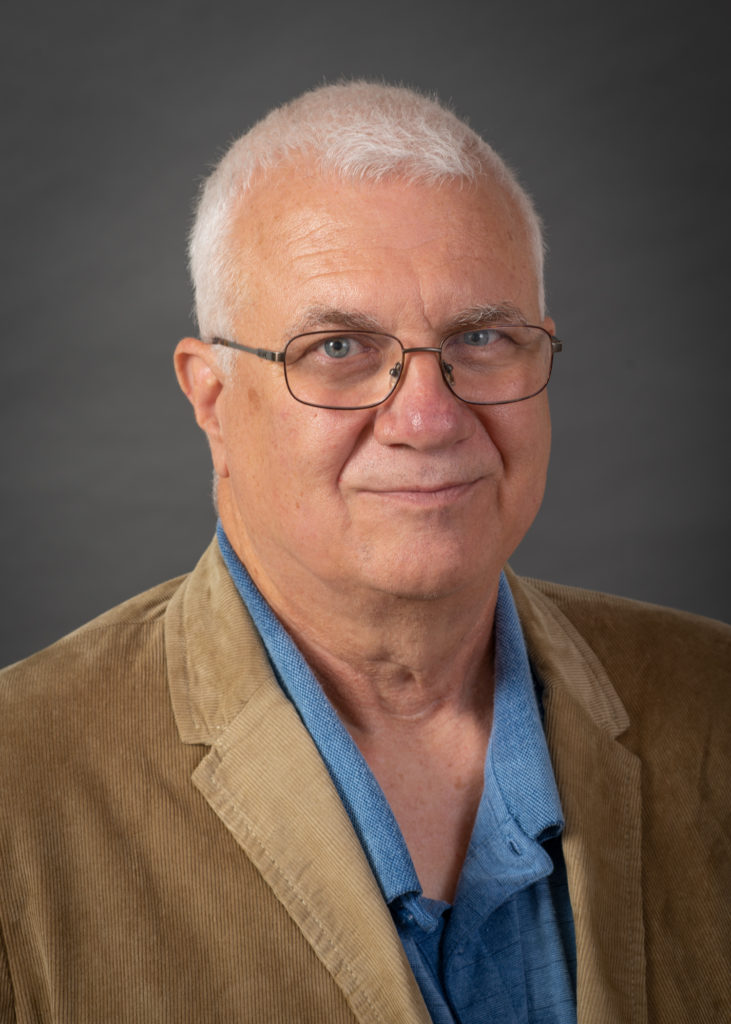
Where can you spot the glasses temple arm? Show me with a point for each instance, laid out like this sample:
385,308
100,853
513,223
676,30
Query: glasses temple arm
262,353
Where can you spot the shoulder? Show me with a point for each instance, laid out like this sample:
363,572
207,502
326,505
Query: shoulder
137,613
670,670
638,634
634,639
90,673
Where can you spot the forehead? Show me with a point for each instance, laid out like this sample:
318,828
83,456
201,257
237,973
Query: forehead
390,249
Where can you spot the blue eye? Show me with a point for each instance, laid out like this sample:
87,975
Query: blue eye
337,348
479,339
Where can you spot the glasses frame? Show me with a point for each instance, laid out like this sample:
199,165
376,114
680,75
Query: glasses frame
281,357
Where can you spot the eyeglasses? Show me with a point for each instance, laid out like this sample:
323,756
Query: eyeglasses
493,365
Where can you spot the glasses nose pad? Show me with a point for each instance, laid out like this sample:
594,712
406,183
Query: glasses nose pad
447,373
395,373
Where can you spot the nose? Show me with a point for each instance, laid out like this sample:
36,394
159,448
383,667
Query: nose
422,412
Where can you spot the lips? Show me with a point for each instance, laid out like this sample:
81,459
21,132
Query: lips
438,476
420,489
419,496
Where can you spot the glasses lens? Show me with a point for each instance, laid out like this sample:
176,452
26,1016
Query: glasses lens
341,369
497,364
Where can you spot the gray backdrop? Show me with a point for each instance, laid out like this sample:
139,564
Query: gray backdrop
615,116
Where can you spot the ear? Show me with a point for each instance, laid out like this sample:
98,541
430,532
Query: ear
202,383
549,325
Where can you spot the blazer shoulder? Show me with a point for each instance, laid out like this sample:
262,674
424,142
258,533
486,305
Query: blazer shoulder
661,661
638,628
108,647
73,715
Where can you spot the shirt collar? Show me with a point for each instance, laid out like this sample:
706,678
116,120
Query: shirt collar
519,765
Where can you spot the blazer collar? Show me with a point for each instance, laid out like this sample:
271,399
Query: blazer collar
264,778
599,783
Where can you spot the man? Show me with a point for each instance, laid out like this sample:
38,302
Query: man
348,769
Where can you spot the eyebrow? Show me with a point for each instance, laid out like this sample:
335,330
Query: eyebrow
493,313
322,317
316,318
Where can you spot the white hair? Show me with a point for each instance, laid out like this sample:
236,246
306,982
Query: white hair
357,131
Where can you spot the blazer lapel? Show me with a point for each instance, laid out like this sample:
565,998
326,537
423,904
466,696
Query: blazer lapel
265,780
599,783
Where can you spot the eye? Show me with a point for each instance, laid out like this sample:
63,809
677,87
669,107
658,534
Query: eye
324,350
340,347
481,338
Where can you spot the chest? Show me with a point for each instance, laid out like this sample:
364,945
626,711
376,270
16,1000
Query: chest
434,790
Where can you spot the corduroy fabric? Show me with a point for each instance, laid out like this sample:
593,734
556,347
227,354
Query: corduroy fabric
172,847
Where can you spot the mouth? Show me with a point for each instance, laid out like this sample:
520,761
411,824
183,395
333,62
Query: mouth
432,496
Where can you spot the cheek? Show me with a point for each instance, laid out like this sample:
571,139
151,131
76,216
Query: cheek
287,455
522,435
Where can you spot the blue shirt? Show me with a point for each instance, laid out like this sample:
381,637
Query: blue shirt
505,949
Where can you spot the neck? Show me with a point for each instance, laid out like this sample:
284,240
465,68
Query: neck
403,667
385,660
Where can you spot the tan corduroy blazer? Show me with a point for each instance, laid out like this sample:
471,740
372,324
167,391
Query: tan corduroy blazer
172,847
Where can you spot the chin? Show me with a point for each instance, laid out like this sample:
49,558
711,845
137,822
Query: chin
414,575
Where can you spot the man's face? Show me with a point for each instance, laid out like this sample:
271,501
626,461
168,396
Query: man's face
423,495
